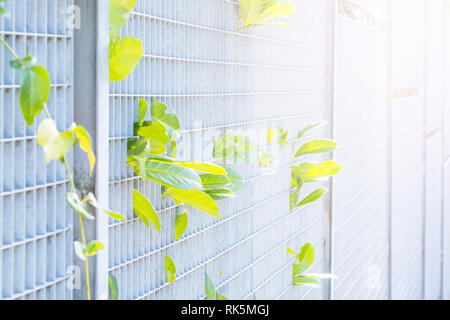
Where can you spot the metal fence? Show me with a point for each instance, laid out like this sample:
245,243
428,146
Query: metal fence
381,229
35,232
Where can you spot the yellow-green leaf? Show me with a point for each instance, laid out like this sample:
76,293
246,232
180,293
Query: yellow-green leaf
290,251
93,201
145,211
154,131
205,167
34,92
181,221
170,270
195,198
210,290
143,107
316,195
113,287
86,145
323,170
305,259
124,56
93,248
315,147
249,10
169,119
54,144
276,10
79,207
119,13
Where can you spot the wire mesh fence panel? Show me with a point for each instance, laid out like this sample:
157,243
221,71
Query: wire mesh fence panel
219,80
35,222
360,249
407,149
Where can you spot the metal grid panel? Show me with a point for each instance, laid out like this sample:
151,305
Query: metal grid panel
219,80
35,233
407,148
360,227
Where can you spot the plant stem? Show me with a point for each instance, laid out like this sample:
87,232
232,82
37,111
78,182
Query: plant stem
83,236
9,49
86,264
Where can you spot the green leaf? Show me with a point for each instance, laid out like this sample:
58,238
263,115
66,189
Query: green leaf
113,287
145,211
236,149
220,193
236,178
170,120
155,131
85,145
212,181
124,56
220,297
54,144
308,282
314,196
173,149
170,270
25,63
293,198
119,13
194,198
143,107
315,147
181,221
79,250
305,259
79,207
93,201
309,128
93,248
323,170
34,92
210,290
166,173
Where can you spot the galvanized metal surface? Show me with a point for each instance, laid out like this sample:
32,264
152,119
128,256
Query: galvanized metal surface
36,223
217,80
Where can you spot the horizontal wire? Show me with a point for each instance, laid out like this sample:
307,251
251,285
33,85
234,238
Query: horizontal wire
233,33
38,288
34,239
236,64
34,188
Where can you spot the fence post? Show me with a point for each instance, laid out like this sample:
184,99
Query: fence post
102,146
91,102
